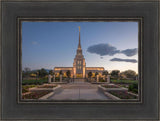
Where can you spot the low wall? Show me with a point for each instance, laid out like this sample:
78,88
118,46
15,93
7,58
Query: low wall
99,82
58,82
112,89
104,91
56,90
35,89
133,94
111,96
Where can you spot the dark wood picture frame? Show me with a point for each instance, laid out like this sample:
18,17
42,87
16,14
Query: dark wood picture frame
149,51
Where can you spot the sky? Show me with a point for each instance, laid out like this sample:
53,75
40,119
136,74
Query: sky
112,45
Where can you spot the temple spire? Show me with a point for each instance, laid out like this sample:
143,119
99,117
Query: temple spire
79,45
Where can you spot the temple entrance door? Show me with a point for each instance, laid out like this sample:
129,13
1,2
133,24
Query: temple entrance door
79,75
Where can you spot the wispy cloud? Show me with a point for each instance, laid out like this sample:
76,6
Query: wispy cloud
107,49
124,60
34,43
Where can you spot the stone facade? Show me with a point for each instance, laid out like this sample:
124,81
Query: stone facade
79,69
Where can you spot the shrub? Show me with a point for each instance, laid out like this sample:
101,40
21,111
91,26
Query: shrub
101,80
33,82
133,87
24,90
124,81
26,87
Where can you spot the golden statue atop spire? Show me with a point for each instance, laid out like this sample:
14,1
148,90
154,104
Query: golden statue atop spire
79,28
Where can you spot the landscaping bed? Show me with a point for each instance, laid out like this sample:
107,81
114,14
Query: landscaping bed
123,94
25,88
110,86
124,81
47,86
35,95
123,85
43,87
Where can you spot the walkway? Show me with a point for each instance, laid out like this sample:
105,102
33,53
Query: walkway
79,90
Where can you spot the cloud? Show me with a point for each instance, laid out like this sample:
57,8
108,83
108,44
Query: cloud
103,49
124,60
34,43
107,49
130,52
101,57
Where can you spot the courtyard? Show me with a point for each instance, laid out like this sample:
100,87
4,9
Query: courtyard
79,90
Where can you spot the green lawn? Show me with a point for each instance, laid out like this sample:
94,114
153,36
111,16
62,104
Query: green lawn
124,81
34,82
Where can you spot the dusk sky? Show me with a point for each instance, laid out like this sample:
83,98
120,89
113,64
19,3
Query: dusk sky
112,45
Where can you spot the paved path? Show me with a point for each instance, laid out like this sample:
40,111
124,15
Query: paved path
79,91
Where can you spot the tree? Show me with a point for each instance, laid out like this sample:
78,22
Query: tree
96,73
105,73
130,73
89,74
122,76
115,73
68,73
60,72
51,72
26,73
42,72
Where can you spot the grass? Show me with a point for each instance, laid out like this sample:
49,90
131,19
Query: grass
34,82
124,81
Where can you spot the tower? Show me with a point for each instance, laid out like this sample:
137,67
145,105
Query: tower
79,64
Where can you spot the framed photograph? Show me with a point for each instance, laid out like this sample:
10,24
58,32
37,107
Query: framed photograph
70,61
107,79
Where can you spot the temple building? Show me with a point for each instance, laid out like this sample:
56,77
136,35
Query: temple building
79,69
